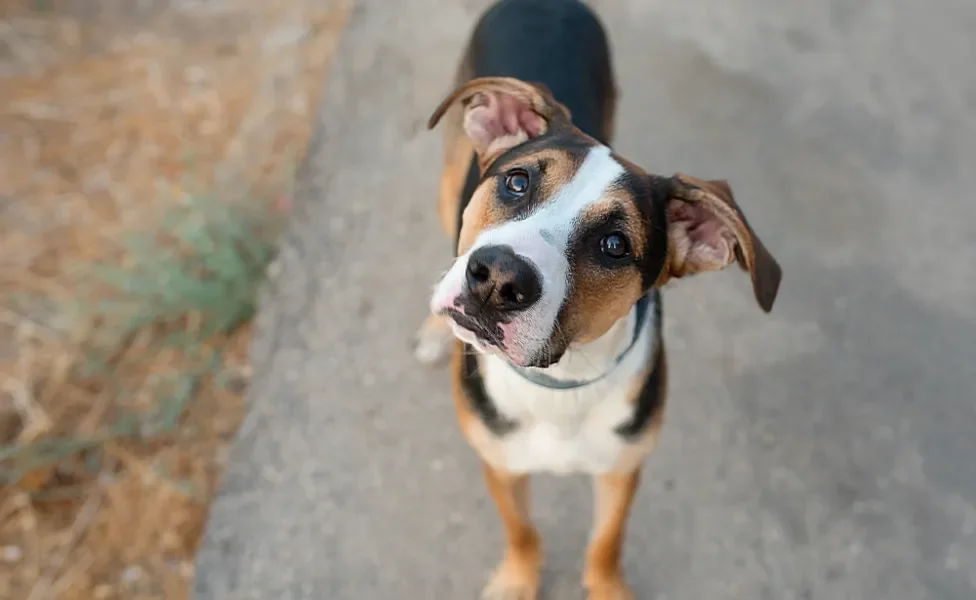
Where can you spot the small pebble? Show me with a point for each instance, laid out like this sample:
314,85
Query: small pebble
12,554
131,574
298,105
195,74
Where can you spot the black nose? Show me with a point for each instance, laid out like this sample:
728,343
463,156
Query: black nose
500,279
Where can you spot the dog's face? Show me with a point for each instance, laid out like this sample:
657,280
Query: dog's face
562,237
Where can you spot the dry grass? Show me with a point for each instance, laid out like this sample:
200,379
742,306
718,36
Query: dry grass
145,160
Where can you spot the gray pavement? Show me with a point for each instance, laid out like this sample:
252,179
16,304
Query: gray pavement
825,451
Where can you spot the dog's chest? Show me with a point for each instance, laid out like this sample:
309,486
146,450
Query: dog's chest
559,431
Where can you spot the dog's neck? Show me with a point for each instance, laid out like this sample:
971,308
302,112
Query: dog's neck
593,360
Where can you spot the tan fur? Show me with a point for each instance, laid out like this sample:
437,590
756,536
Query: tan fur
458,152
613,495
518,574
481,213
456,164
474,431
598,301
600,298
519,569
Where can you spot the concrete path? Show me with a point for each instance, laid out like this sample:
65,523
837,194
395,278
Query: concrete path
826,451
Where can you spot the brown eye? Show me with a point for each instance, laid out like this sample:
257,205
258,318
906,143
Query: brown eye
615,245
517,182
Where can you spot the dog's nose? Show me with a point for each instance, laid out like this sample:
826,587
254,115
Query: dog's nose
500,279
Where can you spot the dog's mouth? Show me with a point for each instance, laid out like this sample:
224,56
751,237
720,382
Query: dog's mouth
481,335
489,338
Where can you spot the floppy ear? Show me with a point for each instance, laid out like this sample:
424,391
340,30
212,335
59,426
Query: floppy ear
502,112
707,231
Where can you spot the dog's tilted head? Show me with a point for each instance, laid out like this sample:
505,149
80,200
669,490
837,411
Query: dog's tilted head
562,236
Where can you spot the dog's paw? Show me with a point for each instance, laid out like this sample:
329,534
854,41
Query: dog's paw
433,342
512,581
614,589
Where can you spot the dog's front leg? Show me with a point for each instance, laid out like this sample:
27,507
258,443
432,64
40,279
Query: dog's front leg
517,577
613,494
434,341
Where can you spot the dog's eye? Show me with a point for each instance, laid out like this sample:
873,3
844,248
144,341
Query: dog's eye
615,245
517,182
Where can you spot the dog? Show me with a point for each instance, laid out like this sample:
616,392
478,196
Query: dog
552,308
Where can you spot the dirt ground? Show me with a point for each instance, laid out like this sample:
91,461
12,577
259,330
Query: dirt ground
112,117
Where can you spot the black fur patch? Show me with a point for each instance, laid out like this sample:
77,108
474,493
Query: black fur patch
474,388
488,328
651,196
650,400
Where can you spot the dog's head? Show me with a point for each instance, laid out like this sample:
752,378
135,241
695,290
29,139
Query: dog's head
562,236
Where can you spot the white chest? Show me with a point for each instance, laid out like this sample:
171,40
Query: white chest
564,431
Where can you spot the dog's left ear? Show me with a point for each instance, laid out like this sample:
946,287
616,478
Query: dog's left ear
707,231
502,112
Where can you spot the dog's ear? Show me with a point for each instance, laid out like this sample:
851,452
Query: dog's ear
502,112
707,231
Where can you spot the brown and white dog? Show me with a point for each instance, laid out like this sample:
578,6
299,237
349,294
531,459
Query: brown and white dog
561,248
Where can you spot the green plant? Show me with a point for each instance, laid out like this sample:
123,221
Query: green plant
187,285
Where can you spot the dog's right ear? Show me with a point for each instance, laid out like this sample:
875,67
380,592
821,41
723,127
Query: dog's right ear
502,112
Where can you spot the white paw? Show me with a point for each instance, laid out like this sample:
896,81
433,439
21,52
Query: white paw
434,342
517,576
507,585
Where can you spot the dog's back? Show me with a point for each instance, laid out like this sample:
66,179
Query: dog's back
559,43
